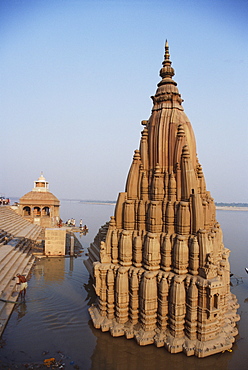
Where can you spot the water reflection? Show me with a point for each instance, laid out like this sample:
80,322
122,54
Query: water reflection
71,264
91,296
124,354
21,310
235,280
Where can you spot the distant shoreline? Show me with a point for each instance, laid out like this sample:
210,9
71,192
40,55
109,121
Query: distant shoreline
231,208
221,208
99,203
113,203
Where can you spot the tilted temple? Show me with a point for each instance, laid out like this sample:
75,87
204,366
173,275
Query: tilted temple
160,268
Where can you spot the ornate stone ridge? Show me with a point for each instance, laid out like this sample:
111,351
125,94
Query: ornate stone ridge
160,268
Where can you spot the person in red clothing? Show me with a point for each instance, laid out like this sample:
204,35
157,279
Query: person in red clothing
23,285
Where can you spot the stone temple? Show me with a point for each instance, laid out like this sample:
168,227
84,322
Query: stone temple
160,268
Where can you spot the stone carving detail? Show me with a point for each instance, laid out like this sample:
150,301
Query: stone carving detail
160,268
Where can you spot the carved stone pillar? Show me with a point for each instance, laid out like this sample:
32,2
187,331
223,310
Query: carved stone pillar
154,220
191,310
172,188
202,309
134,296
204,249
132,183
114,246
201,180
125,249
144,148
108,239
197,217
170,219
137,251
166,184
166,253
151,256
141,215
119,210
181,255
129,215
163,290
194,256
157,191
178,181
188,177
177,308
110,294
148,301
144,186
103,292
122,295
183,219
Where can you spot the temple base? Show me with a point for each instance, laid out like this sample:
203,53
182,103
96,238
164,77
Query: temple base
162,338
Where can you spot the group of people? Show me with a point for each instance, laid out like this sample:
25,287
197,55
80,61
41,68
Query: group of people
72,222
4,201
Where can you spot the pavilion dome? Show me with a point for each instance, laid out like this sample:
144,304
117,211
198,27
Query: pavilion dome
40,193
43,197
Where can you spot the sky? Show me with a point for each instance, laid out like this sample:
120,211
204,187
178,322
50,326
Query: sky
76,79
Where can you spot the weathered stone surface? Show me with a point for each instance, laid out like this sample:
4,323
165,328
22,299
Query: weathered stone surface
160,267
55,241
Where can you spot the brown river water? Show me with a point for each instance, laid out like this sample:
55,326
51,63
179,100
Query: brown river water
54,322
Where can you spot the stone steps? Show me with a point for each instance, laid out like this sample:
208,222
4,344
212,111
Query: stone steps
17,226
17,237
4,237
30,232
11,224
12,261
11,264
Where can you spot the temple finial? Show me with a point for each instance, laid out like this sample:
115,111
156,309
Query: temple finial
167,72
167,54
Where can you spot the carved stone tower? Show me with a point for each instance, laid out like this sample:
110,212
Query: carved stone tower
160,269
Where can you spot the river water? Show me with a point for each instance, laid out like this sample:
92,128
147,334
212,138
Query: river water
54,322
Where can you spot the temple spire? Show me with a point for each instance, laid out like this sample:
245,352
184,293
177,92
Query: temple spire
167,72
162,264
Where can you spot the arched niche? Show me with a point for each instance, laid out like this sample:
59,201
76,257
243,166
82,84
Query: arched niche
37,211
26,211
45,211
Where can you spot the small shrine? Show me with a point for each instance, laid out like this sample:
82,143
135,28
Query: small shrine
160,268
40,206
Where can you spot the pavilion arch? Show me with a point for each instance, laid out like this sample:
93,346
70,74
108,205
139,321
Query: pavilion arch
45,211
26,211
37,211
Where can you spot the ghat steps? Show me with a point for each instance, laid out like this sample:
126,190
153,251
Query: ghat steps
17,226
17,237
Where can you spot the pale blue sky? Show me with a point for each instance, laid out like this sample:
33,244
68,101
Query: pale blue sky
76,80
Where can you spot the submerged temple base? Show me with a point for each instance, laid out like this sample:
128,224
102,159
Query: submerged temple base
175,330
160,268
